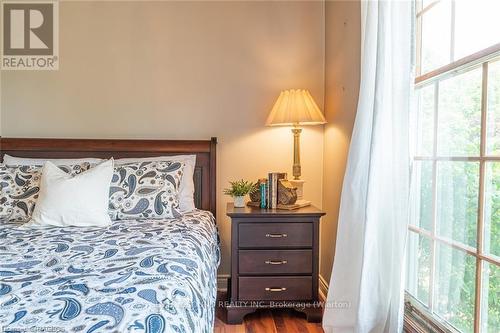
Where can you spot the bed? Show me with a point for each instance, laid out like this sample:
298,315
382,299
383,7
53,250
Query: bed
133,276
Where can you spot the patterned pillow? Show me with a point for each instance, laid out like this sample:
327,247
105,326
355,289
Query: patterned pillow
145,190
19,187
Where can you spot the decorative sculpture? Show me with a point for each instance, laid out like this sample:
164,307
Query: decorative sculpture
287,193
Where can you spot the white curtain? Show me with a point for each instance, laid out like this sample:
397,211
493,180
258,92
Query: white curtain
366,289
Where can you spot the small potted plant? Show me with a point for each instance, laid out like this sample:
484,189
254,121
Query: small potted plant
238,190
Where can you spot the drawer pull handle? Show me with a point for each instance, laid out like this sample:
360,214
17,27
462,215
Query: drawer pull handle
276,262
276,235
276,289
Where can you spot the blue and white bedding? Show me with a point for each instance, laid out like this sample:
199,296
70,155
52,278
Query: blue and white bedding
134,276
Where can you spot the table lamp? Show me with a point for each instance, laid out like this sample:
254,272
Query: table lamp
296,108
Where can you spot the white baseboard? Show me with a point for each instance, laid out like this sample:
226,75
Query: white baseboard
323,285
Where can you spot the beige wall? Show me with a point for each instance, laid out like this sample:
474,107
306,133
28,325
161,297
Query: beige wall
182,70
342,68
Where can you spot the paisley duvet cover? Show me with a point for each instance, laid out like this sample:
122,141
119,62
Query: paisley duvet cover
134,276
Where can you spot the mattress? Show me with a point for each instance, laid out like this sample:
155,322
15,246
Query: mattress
134,276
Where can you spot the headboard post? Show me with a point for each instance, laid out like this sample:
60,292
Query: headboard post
213,176
205,151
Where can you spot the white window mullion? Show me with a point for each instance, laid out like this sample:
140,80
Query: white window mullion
434,199
480,222
484,115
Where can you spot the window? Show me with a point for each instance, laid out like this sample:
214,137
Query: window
453,259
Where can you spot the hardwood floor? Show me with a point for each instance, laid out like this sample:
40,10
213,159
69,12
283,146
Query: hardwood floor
267,321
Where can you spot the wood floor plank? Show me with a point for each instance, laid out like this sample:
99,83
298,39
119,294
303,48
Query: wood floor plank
296,321
259,322
279,321
315,327
287,324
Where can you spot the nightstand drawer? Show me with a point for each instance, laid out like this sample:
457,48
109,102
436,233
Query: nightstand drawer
273,262
275,288
273,235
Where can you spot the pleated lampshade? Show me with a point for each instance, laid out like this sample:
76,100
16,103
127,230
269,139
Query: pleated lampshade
295,107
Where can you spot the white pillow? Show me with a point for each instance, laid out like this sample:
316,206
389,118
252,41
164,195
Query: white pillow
13,161
80,200
186,188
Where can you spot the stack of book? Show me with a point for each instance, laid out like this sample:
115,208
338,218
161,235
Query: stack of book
272,188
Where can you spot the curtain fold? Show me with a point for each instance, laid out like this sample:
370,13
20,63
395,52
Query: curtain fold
366,288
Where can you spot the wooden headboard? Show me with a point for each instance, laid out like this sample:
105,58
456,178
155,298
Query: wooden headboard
205,150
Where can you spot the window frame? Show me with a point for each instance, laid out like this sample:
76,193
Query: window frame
480,59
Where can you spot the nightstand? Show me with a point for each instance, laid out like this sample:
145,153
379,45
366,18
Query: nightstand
274,261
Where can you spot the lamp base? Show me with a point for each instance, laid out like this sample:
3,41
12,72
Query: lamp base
299,184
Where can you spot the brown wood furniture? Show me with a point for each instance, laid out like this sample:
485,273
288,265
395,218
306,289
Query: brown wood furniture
205,150
274,261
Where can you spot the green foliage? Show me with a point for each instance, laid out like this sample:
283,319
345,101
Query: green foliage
240,188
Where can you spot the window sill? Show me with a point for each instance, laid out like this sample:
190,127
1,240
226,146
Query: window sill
417,319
